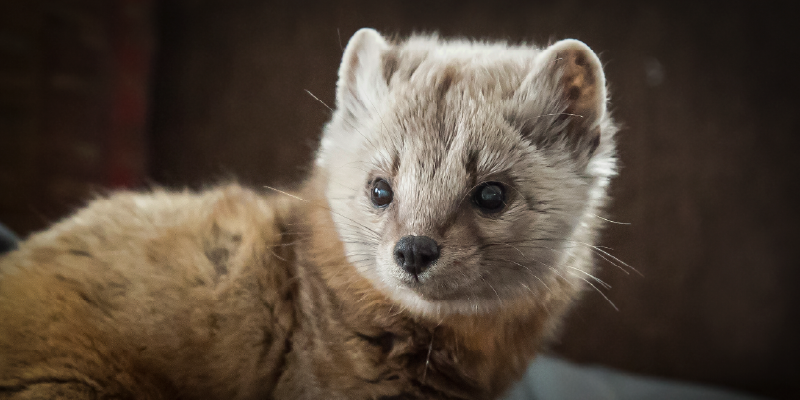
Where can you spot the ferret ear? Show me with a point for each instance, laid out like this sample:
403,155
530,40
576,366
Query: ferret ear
361,84
564,98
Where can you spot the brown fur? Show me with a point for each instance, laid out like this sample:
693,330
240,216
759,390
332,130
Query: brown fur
232,294
136,302
129,300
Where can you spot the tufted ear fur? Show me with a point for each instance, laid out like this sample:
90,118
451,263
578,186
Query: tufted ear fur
564,98
361,84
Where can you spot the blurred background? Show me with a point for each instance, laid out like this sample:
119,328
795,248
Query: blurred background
105,94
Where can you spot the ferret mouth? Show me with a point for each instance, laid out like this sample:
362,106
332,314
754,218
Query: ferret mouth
436,293
414,281
443,279
432,285
430,292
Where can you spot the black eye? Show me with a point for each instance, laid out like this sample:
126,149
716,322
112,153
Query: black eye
381,193
490,197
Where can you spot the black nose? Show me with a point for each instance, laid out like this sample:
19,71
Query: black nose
415,254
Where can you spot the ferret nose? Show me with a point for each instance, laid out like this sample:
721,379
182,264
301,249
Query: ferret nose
415,254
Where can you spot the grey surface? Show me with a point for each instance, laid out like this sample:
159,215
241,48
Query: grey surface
551,378
8,241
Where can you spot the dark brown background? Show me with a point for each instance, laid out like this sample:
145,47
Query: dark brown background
708,95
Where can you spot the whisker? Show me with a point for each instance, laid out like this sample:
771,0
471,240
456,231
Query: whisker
529,271
598,291
351,125
318,99
599,250
554,114
493,289
596,279
428,358
326,208
564,278
608,220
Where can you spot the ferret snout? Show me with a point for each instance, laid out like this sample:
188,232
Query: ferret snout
415,254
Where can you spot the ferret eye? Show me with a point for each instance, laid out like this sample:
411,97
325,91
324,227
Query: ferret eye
490,197
381,193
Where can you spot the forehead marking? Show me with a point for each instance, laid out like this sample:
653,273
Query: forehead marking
445,82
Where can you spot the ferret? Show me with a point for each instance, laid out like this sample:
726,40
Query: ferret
447,225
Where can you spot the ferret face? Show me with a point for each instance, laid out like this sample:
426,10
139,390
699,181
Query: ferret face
454,180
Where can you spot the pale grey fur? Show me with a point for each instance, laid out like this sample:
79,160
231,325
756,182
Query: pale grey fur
434,118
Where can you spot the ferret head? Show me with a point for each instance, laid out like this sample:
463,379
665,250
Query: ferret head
461,175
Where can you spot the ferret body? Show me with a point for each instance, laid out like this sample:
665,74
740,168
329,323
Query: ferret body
447,226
